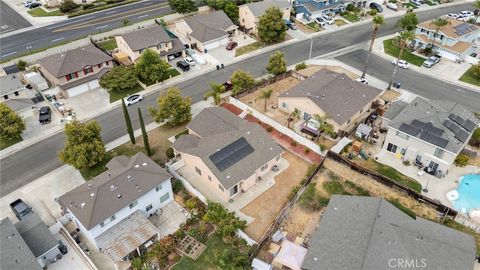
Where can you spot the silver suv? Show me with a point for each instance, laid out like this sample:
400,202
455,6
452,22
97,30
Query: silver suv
431,61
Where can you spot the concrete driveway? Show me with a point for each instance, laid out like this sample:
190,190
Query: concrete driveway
41,193
89,103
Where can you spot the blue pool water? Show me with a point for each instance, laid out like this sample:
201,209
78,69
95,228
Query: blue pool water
469,193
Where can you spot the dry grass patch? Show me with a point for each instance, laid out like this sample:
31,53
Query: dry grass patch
159,142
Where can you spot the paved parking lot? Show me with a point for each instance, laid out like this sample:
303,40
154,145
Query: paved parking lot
10,20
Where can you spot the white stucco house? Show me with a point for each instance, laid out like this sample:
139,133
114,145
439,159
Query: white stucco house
111,210
429,133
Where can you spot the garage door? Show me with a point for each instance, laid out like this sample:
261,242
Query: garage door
216,44
80,89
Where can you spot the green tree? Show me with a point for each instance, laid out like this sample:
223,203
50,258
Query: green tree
227,223
322,121
172,108
138,263
231,10
265,95
150,67
271,26
277,63
161,250
22,65
125,22
377,22
476,5
67,6
475,140
119,79
128,122
408,22
183,6
11,124
241,81
438,23
83,145
295,114
215,92
146,143
401,41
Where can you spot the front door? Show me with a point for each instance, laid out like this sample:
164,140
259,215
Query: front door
433,166
234,190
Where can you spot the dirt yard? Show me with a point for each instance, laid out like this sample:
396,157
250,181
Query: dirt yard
266,207
159,142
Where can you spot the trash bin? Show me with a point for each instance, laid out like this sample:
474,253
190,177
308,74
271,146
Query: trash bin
396,84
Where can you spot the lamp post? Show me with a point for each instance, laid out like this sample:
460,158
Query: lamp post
311,47
426,187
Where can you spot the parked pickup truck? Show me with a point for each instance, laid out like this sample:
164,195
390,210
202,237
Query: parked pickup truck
20,208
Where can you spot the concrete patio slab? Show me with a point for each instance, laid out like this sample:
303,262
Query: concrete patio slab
169,219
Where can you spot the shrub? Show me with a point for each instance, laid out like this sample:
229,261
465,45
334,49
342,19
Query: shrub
22,65
372,12
87,6
350,7
475,140
177,186
307,150
300,66
406,162
462,160
293,143
333,187
191,204
170,153
269,129
67,6
293,192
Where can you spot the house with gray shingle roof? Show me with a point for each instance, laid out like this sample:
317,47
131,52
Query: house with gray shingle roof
430,133
16,96
206,31
116,204
226,153
345,101
370,233
249,14
76,71
155,38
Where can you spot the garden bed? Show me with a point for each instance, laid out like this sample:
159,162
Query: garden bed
339,22
394,51
109,44
40,12
351,17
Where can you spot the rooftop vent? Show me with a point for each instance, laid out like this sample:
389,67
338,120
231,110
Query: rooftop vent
144,164
112,188
129,177
136,166
92,195
83,204
419,237
119,196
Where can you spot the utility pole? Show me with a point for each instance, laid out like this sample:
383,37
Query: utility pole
311,47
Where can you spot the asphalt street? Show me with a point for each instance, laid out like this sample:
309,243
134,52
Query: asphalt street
79,27
34,161
10,20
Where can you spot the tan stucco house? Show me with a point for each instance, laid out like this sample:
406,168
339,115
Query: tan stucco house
155,38
228,154
249,14
336,95
76,71
206,31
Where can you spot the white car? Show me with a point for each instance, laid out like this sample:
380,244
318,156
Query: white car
401,63
320,21
130,100
466,13
362,80
392,6
196,57
190,61
327,19
452,15
28,3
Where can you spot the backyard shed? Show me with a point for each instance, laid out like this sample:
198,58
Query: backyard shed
291,255
260,265
363,131
36,81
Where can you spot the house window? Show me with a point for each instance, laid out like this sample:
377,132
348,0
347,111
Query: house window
392,148
100,65
403,151
107,221
402,135
439,153
107,63
71,76
209,178
197,170
16,93
149,207
157,189
164,197
220,187
264,167
5,97
132,205
234,190
88,70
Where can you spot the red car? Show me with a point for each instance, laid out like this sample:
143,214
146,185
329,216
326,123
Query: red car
232,45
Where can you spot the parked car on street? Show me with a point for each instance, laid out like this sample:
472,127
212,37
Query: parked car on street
362,81
320,21
183,65
416,2
452,15
34,5
45,115
376,6
190,61
392,6
327,19
401,63
132,99
232,45
20,208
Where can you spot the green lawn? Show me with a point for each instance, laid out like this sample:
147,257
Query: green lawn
98,8
339,22
314,26
469,77
171,73
397,176
108,45
410,5
209,258
249,48
124,149
6,143
40,12
392,50
115,95
350,17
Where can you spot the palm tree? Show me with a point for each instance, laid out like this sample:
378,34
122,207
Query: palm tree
401,41
322,120
378,21
438,23
294,114
408,22
476,5
265,95
215,92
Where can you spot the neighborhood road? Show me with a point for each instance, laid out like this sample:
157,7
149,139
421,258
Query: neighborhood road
36,160
79,27
10,20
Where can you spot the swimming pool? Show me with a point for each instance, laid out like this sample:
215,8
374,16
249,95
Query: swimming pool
468,193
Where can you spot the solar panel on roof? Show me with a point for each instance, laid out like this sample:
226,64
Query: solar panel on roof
447,123
462,136
427,127
231,154
438,141
452,116
470,125
455,128
409,129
